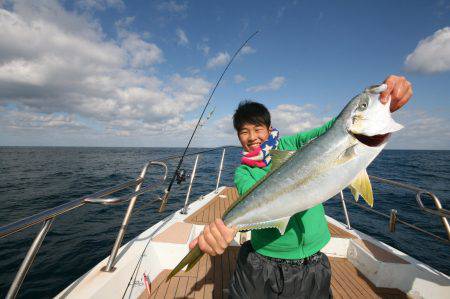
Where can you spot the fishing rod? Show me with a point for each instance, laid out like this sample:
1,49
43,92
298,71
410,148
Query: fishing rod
175,174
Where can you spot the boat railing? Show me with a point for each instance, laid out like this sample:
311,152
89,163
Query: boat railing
101,197
104,197
437,211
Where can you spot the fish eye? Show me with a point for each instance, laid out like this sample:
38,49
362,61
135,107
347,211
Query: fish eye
362,106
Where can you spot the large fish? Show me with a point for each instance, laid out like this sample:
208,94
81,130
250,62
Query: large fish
302,179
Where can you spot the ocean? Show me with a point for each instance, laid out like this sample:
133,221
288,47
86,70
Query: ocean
33,179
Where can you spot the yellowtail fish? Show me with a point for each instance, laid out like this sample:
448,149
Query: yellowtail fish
299,180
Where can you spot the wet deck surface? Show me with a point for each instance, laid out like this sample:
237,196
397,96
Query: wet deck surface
210,277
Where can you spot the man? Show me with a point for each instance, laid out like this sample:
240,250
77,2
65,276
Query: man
273,265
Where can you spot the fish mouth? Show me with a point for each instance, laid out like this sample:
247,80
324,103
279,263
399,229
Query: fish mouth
372,141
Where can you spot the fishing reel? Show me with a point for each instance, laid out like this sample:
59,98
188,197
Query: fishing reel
180,176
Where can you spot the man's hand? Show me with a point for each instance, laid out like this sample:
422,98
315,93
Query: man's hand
215,238
400,91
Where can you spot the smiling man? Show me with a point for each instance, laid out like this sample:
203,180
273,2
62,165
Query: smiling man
271,265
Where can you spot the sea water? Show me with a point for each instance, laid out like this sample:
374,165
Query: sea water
33,179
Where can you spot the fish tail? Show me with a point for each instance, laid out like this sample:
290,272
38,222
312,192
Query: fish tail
190,259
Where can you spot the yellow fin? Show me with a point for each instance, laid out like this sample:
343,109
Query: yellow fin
279,224
279,158
361,186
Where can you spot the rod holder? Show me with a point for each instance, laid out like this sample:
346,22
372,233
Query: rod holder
392,220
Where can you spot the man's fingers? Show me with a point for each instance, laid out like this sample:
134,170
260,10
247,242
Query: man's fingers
384,96
204,245
218,236
397,104
211,240
400,90
193,243
227,233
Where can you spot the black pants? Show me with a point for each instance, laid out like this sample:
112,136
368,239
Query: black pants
257,276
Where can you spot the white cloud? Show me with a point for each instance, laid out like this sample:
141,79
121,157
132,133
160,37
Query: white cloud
173,7
193,70
280,12
123,23
57,68
422,130
275,84
141,53
239,78
29,120
204,48
291,119
220,59
432,54
247,50
182,38
100,4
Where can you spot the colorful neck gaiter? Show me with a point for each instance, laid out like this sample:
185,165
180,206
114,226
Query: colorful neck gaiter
261,157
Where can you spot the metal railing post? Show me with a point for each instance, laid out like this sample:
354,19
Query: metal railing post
123,227
438,205
344,206
184,210
28,260
220,170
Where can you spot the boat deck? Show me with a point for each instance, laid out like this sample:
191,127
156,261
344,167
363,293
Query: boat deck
210,277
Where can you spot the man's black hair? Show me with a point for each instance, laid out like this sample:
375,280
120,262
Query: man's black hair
252,113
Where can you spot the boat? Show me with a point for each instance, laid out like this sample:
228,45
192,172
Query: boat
362,266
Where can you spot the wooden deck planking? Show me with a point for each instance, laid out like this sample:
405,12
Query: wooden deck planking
215,208
345,282
212,276
181,289
344,273
338,232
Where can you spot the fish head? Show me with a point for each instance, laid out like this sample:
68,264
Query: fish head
370,121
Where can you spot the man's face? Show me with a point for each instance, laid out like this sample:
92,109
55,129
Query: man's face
252,136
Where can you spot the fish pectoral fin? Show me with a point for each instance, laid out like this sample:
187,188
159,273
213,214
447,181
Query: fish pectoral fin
347,155
279,224
280,157
361,186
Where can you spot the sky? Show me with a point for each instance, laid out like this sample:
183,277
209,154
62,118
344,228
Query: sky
138,73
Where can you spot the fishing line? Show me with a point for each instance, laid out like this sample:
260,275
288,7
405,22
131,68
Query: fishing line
167,191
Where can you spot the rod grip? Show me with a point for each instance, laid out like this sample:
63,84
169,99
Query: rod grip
164,199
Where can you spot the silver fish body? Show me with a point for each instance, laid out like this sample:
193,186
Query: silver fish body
315,173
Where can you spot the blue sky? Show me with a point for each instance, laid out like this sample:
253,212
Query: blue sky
113,73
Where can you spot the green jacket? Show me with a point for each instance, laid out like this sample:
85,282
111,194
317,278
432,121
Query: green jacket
307,231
